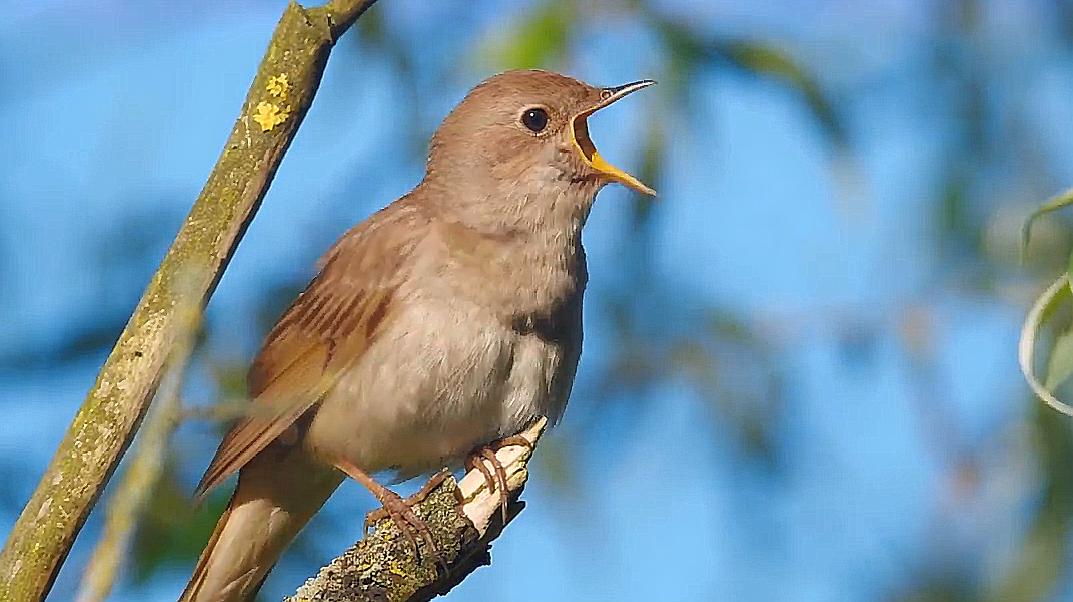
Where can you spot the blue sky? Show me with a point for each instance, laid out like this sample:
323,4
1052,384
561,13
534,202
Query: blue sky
116,112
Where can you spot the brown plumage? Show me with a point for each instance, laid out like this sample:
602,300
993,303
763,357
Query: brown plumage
328,326
447,320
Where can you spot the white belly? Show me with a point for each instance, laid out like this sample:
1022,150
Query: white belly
423,396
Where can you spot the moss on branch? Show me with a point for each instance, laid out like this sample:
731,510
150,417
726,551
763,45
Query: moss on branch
463,518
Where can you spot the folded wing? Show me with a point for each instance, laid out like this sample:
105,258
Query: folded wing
327,328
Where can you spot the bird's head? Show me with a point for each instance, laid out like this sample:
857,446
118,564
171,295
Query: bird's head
525,131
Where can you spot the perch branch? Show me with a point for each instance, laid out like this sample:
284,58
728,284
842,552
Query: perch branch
278,99
463,518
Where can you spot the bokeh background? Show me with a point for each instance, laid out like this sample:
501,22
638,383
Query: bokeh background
799,380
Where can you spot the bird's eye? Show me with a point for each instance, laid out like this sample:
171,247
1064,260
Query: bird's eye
535,119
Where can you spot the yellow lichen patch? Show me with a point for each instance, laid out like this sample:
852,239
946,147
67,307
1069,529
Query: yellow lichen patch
268,115
278,86
394,568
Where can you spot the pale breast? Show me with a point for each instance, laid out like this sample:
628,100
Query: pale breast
442,380
463,362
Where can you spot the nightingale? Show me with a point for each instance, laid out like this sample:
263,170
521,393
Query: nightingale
444,323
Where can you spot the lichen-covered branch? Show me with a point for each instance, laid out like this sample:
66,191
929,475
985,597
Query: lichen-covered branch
463,517
132,494
281,93
142,472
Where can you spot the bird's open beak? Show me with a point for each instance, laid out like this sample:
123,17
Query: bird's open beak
579,134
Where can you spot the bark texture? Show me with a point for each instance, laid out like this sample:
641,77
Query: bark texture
463,517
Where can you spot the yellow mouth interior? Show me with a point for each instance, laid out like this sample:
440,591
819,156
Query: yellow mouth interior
579,130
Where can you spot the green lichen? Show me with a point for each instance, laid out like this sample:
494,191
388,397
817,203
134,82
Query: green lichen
384,566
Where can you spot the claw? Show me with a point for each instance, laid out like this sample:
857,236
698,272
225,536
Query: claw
400,510
409,524
512,440
474,461
501,480
498,481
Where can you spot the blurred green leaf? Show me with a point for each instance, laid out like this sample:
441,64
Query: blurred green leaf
726,326
1044,555
1051,298
173,531
539,40
952,212
688,50
1060,363
1053,204
766,60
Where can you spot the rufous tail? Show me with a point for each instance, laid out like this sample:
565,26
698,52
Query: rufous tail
277,493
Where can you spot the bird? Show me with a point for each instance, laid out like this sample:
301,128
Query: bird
446,322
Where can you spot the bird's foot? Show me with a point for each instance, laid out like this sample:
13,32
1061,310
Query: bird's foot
382,513
400,510
498,480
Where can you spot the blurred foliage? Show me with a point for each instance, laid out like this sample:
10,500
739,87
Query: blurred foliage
687,51
542,38
173,532
1047,545
1046,549
728,361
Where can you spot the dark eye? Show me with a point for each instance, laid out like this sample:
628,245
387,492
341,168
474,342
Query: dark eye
535,119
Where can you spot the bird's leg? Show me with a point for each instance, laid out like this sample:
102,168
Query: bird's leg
416,498
498,482
399,510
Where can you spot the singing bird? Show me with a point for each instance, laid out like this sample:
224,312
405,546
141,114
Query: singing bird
445,322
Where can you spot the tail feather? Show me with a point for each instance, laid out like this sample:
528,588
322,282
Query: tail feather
277,493
201,569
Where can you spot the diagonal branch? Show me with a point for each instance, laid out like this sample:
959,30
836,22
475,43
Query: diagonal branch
463,518
279,97
142,472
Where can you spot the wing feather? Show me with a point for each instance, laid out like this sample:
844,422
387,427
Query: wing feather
327,328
